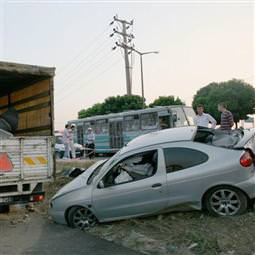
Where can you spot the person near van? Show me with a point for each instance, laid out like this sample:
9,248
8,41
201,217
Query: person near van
227,120
204,119
66,141
72,129
90,143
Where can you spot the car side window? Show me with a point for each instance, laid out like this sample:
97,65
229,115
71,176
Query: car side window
181,158
132,168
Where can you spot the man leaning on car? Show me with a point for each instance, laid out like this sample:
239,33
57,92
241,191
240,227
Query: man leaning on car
204,119
227,121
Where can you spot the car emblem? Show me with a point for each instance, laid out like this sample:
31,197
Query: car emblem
5,163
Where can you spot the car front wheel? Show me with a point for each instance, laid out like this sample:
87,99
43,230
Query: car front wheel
226,201
81,218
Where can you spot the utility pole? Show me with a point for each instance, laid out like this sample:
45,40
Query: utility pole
126,40
124,46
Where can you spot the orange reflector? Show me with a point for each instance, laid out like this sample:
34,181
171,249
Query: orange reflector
5,163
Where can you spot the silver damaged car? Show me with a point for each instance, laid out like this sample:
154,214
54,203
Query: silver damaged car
184,168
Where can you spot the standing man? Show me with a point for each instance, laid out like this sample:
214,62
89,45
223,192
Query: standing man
66,141
90,143
204,119
227,121
72,141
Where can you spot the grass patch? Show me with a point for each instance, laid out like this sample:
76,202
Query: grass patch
63,165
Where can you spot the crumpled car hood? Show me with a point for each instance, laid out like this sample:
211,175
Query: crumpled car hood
77,183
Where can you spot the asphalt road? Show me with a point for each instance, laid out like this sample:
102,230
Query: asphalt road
37,236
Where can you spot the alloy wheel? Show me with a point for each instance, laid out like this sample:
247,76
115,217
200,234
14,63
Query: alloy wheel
83,219
225,202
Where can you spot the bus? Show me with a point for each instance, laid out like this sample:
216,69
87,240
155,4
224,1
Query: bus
113,131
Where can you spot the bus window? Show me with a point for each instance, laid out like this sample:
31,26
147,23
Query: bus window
86,126
181,120
89,124
79,133
131,123
101,127
149,120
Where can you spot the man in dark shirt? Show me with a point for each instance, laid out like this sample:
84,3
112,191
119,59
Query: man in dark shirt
227,121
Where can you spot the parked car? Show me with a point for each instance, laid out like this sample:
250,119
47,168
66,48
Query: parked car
184,168
60,147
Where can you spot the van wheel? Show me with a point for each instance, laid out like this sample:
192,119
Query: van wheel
226,201
81,218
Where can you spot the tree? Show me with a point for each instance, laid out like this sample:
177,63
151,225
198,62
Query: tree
238,95
113,105
166,100
96,109
122,103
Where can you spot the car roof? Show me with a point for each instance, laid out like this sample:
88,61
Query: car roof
162,136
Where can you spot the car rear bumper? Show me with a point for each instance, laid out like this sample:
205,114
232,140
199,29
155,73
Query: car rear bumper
248,187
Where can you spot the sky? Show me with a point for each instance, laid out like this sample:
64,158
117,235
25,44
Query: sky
198,42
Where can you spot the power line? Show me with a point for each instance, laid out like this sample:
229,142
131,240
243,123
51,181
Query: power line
89,70
88,82
91,43
79,64
80,71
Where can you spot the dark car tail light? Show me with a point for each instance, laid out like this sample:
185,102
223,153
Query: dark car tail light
246,160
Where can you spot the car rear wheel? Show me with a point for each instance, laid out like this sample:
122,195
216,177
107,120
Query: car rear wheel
226,201
81,218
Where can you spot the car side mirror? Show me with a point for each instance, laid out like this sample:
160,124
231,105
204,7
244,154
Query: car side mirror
101,185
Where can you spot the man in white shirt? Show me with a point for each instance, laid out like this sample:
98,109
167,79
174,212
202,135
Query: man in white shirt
66,141
72,148
204,119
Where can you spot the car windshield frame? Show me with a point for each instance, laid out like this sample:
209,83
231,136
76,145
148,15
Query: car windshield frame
95,172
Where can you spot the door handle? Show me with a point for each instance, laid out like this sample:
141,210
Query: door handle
156,185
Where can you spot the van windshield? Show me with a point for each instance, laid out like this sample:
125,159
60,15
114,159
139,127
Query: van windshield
218,138
190,114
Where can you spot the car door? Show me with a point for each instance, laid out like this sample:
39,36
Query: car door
187,170
132,198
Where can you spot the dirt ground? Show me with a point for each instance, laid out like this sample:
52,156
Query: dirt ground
180,233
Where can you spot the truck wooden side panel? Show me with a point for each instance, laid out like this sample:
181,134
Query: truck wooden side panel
27,158
34,105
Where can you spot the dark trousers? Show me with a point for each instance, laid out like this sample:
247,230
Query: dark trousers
90,152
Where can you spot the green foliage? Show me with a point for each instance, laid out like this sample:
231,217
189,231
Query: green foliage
96,109
166,100
238,95
113,105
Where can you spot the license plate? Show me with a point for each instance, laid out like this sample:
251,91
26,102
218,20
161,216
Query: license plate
5,199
